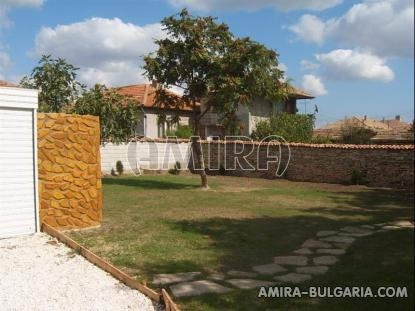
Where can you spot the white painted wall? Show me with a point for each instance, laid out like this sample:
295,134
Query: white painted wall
144,155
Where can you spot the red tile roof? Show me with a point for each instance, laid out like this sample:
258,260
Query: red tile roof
7,84
145,95
299,93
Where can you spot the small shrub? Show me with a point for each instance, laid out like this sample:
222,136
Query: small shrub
356,134
176,169
321,140
182,131
291,127
113,172
119,167
358,177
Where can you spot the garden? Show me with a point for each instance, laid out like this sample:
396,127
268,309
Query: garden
166,224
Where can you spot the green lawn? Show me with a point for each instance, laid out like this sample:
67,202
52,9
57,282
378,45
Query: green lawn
167,224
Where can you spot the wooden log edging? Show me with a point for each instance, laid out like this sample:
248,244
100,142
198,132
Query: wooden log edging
168,302
162,297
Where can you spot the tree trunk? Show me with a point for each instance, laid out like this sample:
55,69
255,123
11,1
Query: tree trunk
197,153
196,150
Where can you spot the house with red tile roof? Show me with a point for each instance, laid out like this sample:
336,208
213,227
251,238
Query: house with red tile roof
259,110
152,126
150,123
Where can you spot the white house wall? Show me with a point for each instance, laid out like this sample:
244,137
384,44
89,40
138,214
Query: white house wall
151,125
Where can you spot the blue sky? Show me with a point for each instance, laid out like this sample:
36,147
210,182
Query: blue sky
356,56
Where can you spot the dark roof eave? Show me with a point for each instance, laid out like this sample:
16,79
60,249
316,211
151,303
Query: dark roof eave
301,96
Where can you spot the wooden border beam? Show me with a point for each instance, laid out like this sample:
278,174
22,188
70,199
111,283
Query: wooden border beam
115,272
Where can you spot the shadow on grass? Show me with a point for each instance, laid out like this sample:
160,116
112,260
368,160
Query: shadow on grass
152,183
242,243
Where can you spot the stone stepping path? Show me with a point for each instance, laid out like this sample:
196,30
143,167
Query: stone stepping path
293,278
196,288
249,283
291,260
316,270
325,260
314,257
164,279
270,269
241,274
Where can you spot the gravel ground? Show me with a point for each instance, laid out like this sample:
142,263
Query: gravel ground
39,273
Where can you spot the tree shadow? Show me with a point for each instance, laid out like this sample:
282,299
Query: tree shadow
152,184
378,203
243,243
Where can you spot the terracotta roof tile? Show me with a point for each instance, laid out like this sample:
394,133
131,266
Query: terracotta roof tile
7,84
144,94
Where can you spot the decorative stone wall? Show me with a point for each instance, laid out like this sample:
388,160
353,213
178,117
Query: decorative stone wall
69,170
380,166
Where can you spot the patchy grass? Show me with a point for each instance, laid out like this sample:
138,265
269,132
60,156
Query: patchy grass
166,224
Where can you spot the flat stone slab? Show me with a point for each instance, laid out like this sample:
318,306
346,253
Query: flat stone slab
324,233
164,279
355,235
325,260
293,277
331,251
311,243
404,224
389,227
216,276
291,260
303,251
270,268
339,239
314,270
241,274
350,229
342,245
368,227
196,288
249,283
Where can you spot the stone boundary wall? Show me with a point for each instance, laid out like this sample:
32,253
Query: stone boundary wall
381,166
69,170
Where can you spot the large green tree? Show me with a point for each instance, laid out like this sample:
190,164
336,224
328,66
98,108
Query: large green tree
118,114
212,66
56,81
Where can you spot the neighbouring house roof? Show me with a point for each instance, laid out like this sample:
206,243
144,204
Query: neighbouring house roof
386,130
299,93
145,95
7,84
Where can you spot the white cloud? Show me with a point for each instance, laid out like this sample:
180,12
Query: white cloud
309,29
308,65
106,50
351,64
283,67
7,5
4,63
385,28
313,84
284,5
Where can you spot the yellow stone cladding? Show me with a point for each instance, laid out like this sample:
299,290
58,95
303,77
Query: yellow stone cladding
69,170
